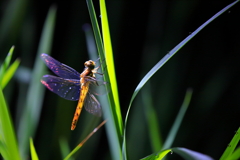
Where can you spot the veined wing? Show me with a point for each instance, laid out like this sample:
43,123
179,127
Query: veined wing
59,68
97,87
65,88
92,105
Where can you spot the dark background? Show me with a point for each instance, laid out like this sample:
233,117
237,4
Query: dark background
142,33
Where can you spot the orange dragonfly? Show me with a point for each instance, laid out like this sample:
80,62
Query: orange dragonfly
74,86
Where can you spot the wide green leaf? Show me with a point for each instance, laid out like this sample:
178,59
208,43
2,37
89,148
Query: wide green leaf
8,143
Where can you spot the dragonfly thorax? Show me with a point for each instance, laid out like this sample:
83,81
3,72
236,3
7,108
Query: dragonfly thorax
90,64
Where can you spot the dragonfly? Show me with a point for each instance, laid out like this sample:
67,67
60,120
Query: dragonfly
72,85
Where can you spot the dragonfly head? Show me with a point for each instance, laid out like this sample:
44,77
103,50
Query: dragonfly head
90,64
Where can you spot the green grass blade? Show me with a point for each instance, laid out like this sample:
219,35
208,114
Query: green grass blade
160,155
178,120
115,106
163,61
188,154
9,73
64,147
96,29
153,124
71,153
231,146
110,63
6,63
152,121
112,126
34,155
8,143
235,155
32,110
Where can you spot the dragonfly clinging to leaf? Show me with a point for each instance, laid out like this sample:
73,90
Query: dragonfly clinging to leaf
74,86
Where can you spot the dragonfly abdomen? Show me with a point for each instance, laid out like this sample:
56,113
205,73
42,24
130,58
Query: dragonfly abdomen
83,93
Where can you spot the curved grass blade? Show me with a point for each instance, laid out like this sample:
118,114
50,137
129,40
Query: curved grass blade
9,73
34,155
162,62
188,154
231,146
6,63
178,120
113,125
158,156
8,142
30,118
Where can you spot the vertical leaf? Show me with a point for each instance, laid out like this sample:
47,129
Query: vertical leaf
32,110
152,119
113,125
178,120
110,64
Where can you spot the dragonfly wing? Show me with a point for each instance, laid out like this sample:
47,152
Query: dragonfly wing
98,87
59,68
65,88
92,105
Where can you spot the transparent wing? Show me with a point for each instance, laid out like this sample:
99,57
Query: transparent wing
97,87
92,105
65,88
59,68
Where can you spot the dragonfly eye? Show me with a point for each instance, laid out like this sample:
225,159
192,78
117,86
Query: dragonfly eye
90,64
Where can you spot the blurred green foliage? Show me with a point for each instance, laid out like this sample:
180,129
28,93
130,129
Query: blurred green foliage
142,33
